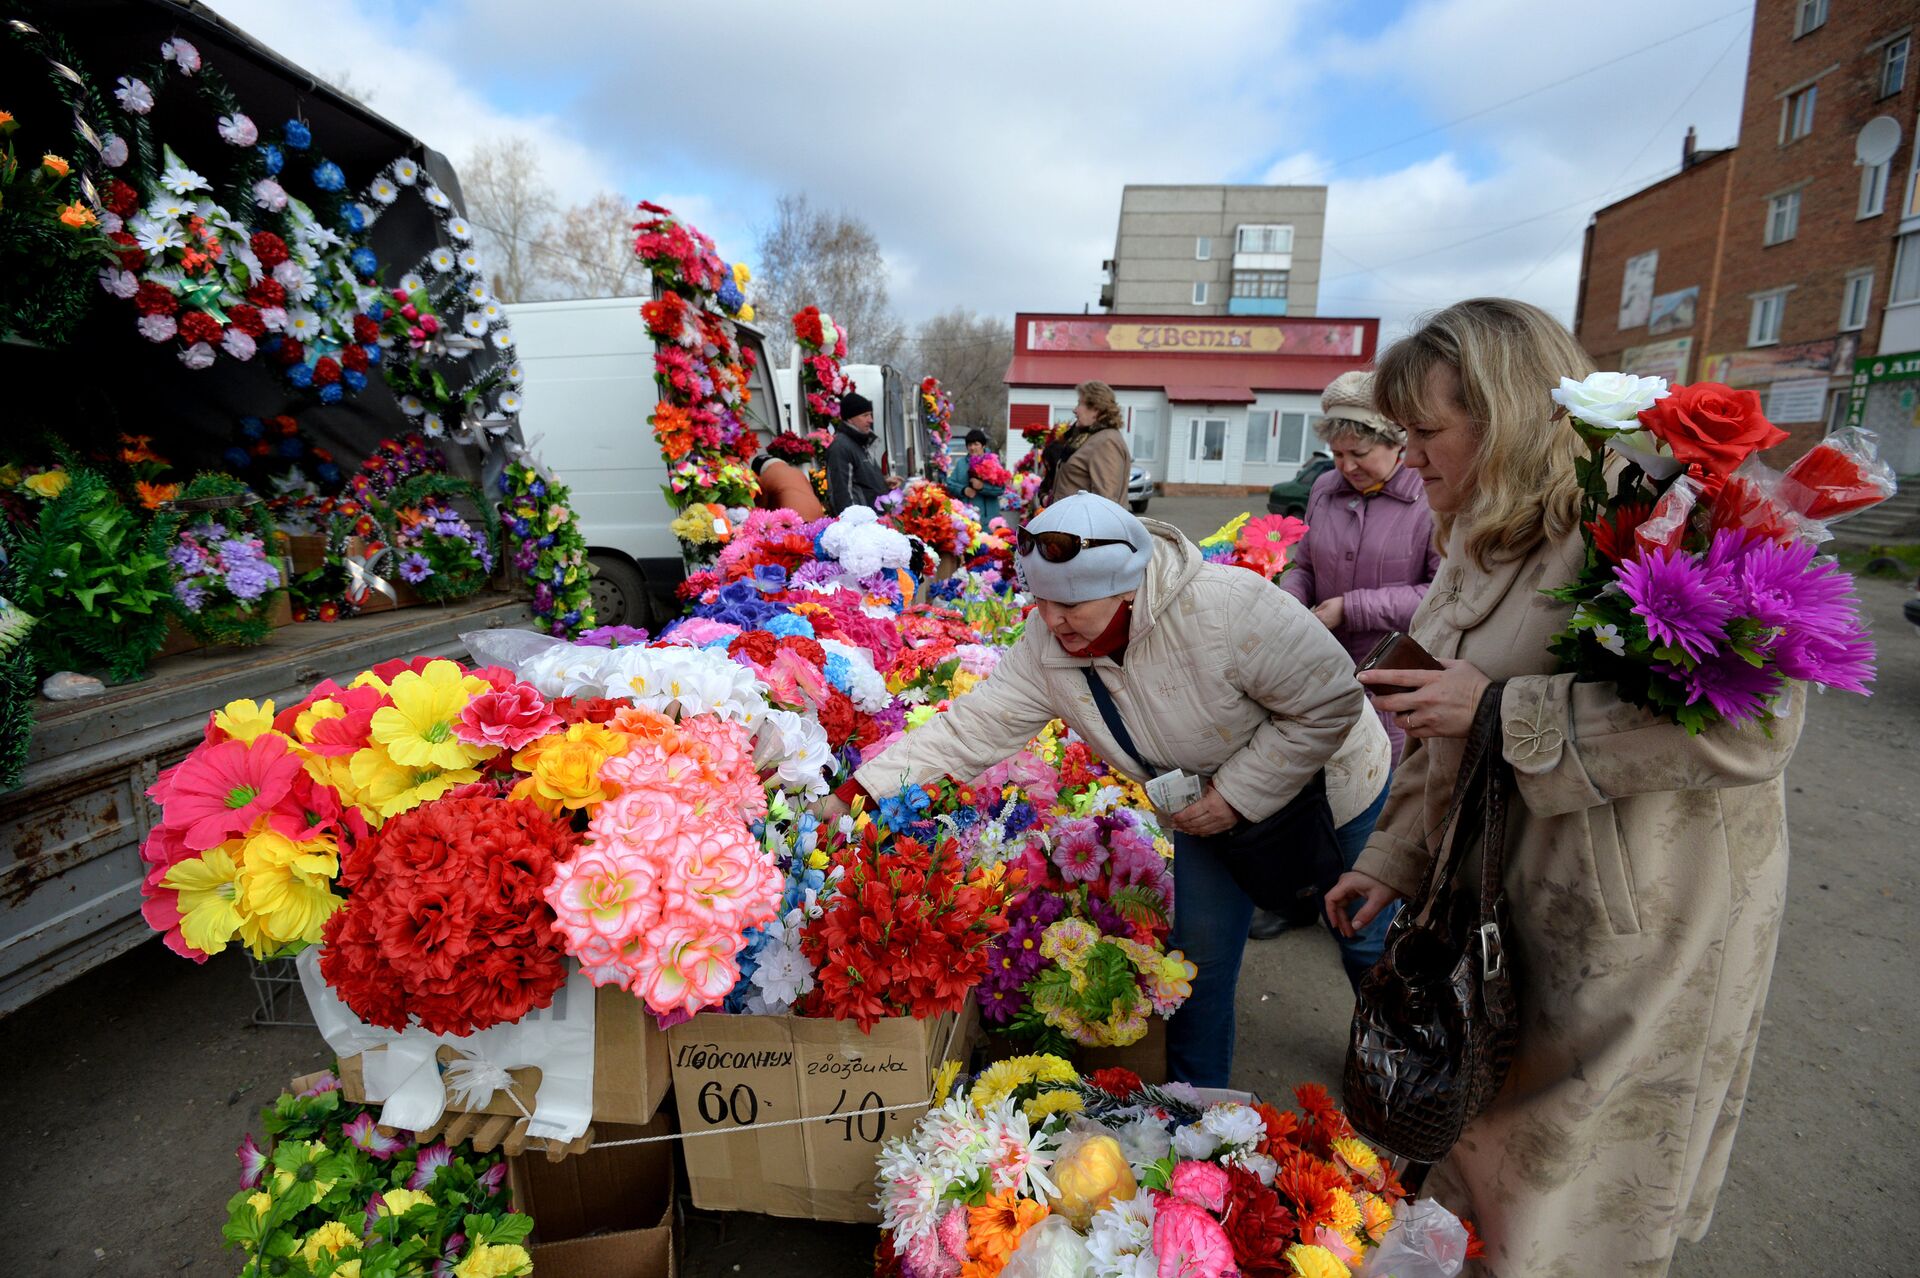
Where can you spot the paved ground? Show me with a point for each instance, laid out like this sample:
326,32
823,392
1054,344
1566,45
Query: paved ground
130,1087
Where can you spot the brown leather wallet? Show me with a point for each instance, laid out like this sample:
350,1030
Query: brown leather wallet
1397,651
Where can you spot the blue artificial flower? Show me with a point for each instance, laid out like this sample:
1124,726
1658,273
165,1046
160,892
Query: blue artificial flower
571,618
328,473
252,428
328,177
377,312
365,261
538,488
904,808
322,303
237,458
271,157
292,446
331,393
355,220
787,625
839,672
719,642
731,298
356,381
301,375
299,136
770,578
373,353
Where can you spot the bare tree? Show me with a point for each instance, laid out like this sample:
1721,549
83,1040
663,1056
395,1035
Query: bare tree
591,253
816,257
345,83
511,210
969,353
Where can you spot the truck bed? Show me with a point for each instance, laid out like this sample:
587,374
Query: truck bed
70,834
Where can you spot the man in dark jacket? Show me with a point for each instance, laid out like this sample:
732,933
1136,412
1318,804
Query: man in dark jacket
852,477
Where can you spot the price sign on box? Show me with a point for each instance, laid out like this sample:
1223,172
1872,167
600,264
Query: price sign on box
752,1075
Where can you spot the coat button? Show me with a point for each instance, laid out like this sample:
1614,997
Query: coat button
1353,503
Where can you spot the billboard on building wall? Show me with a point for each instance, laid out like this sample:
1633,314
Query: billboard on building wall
1666,359
1674,311
1329,339
1770,364
1636,288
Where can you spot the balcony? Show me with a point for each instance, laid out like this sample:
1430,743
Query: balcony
1106,296
1263,261
1256,306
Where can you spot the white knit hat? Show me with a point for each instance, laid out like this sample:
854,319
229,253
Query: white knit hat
1349,397
1098,571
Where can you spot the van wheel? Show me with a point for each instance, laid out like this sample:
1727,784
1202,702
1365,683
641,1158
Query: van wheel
620,596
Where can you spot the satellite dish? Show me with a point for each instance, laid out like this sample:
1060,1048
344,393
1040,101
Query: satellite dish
1879,139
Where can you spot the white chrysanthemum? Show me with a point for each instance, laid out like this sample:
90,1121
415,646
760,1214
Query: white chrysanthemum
170,208
507,401
441,259
470,263
303,325
494,312
1143,1138
405,171
118,282
477,292
475,323
1120,1239
238,345
275,318
238,130
157,236
384,191
269,195
134,95
198,355
516,374
436,197
294,278
182,54
113,152
181,180
411,283
411,405
503,339
368,214
782,974
457,227
433,426
869,687
1234,1125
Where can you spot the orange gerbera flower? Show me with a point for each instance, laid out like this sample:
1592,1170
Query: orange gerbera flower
674,429
1280,1128
153,495
995,1229
1309,1185
138,448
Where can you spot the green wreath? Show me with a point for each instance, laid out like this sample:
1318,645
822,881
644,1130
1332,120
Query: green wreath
17,684
455,566
216,506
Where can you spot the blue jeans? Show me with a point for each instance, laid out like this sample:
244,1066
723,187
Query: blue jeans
1211,915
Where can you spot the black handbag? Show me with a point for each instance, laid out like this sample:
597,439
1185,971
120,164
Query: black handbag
1286,862
1434,1023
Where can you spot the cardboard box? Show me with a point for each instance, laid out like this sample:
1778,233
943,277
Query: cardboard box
1147,1057
735,1071
607,1213
630,1074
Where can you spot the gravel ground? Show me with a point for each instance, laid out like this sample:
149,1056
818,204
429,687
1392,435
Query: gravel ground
133,1084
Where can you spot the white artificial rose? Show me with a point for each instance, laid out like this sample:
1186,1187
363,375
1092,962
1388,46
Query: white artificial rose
1610,402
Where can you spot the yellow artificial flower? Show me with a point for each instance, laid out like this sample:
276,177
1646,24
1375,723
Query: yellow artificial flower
286,888
10,475
746,314
741,275
1309,1261
208,914
1358,1155
348,1269
417,729
384,789
245,720
1346,1212
695,526
48,483
1376,1216
943,1080
1047,1104
260,1202
495,1260
964,681
330,1238
1001,1079
54,165
1091,1177
397,1202
564,769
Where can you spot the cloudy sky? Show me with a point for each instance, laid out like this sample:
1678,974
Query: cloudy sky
1465,142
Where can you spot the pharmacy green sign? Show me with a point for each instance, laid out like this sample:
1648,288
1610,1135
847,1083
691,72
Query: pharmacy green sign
1874,371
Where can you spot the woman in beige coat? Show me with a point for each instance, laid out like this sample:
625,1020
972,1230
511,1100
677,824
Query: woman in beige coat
1092,457
1646,868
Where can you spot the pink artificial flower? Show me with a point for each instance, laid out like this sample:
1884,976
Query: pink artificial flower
722,878
431,1159
219,791
509,718
1189,1243
253,1163
605,891
1079,852
691,966
698,632
363,1132
312,809
1202,1184
730,764
498,677
640,817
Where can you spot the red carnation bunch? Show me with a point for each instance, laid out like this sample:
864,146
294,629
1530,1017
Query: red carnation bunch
838,718
198,326
907,934
365,330
806,327
269,248
154,299
268,293
122,200
354,359
445,920
326,371
247,319
666,316
291,352
127,249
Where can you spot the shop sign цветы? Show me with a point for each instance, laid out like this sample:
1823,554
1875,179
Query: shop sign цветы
1308,338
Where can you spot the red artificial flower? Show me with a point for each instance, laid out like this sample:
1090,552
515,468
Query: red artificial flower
697,584
838,718
246,318
354,359
1116,1082
665,316
154,299
198,326
1325,1123
587,710
132,256
121,199
1613,534
1281,1124
808,648
1258,1226
329,611
365,331
1835,479
1712,428
509,718
1476,1249
445,919
758,646
269,248
291,352
268,293
326,371
1744,504
387,671
1307,1185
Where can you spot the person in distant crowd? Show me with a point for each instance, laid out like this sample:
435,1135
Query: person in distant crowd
962,483
1646,867
784,486
1363,567
853,479
1092,457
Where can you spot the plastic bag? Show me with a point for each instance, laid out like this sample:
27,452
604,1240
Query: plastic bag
1751,500
1091,1171
1839,476
1425,1241
68,686
1666,527
1051,1249
510,649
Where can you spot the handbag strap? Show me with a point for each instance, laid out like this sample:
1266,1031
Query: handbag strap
1470,789
1110,712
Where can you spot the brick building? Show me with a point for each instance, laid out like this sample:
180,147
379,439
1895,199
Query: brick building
1790,262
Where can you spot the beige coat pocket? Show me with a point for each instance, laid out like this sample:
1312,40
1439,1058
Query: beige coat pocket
1613,870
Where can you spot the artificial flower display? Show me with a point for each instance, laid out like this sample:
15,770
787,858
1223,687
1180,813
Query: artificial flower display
51,242
823,345
223,579
1259,545
1704,597
936,415
924,509
548,547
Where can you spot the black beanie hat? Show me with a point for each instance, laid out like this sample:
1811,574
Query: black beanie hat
853,404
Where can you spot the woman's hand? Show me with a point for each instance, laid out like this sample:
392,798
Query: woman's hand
1373,896
1332,612
1208,815
1442,703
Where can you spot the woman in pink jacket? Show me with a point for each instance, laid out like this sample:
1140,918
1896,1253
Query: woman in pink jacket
1365,563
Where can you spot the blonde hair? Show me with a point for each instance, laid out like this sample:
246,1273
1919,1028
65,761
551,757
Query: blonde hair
1099,397
1508,356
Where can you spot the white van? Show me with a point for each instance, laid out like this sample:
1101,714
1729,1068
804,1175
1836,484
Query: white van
896,413
589,391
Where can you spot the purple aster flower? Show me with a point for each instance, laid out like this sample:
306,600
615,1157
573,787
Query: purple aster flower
1782,586
415,568
613,637
1843,661
816,573
1684,605
249,573
1737,691
191,597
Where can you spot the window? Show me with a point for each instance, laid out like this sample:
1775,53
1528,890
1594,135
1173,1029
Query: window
1783,217
1260,284
1893,66
1259,429
1906,271
1203,248
1199,292
1763,329
1873,188
1854,301
1264,239
1811,17
1796,114
1146,434
1293,433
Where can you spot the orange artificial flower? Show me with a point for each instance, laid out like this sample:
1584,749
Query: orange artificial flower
153,495
674,429
643,724
77,215
6,118
995,1229
139,448
54,165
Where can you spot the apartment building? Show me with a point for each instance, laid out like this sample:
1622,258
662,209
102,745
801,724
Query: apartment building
1217,250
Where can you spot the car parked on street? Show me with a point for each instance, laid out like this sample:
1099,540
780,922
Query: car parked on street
1289,497
1139,489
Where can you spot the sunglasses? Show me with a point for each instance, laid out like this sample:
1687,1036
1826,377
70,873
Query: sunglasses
1059,547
